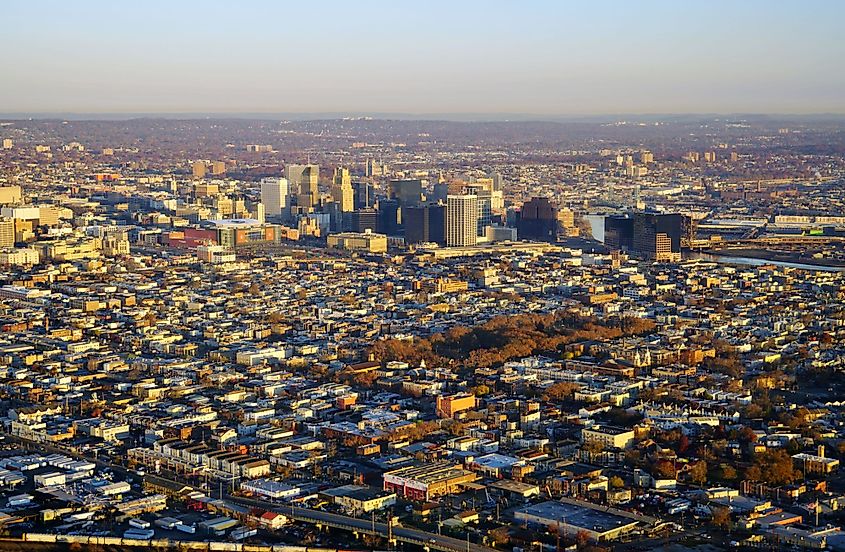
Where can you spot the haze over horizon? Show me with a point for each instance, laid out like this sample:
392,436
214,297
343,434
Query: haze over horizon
529,59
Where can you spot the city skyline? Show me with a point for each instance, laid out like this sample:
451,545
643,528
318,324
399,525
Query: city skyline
538,60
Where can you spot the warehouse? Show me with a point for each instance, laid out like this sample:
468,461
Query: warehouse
574,516
427,481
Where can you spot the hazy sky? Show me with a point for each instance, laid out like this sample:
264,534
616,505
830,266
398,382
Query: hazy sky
423,56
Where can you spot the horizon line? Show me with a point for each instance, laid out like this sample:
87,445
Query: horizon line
411,116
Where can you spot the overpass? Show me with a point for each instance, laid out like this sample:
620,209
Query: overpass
359,526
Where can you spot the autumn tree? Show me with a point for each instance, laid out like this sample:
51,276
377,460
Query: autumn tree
560,391
722,517
697,472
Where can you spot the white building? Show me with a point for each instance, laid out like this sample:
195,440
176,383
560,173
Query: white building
461,220
274,195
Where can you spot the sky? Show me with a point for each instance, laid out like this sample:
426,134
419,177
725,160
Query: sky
555,57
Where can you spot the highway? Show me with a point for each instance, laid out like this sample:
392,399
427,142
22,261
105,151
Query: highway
408,535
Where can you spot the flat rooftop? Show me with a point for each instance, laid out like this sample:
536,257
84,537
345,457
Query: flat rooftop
574,515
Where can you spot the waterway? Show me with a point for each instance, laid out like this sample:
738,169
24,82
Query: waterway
752,261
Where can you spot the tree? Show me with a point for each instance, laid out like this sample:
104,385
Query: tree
663,469
582,538
776,467
722,517
697,472
754,473
480,390
616,482
560,391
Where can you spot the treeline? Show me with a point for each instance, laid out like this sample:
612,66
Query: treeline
506,338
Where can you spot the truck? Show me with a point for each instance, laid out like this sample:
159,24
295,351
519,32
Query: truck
190,529
139,523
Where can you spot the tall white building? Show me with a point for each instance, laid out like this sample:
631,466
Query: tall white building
274,195
461,220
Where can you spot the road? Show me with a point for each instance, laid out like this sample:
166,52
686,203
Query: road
357,525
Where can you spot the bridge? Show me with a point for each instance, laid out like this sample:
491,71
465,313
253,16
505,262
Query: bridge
359,526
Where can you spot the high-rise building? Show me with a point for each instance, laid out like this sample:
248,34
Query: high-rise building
425,224
498,182
218,167
654,236
375,168
274,195
7,143
658,236
364,219
485,214
407,192
342,191
538,220
619,232
7,232
198,169
440,193
461,220
364,195
646,157
309,192
389,217
295,175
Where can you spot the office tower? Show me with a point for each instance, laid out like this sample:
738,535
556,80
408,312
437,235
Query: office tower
309,193
375,168
658,236
342,191
654,236
485,213
425,224
407,192
198,169
390,217
441,192
538,220
461,220
498,182
274,195
259,212
619,232
364,195
364,219
294,173
7,232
